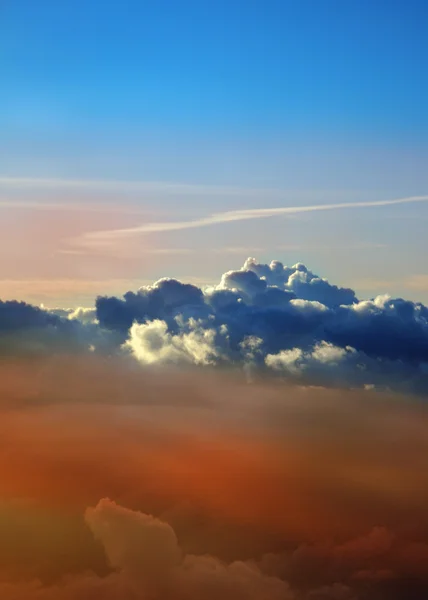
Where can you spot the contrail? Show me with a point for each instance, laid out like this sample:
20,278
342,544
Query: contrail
242,215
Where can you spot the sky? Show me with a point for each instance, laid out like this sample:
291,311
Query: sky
207,391
129,116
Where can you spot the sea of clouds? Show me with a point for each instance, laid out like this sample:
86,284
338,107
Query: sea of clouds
261,319
125,483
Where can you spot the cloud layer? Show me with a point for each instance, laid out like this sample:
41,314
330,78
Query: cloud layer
128,484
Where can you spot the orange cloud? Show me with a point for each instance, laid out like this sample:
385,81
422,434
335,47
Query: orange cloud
308,487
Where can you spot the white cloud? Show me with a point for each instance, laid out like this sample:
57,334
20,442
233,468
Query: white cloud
239,215
151,343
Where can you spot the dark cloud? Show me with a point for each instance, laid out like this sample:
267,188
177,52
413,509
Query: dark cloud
16,316
166,297
304,326
285,321
27,329
302,282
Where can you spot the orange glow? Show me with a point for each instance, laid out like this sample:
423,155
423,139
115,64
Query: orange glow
298,468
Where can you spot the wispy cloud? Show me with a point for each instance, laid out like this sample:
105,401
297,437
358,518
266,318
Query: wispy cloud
162,187
110,248
331,247
36,290
240,215
74,206
417,282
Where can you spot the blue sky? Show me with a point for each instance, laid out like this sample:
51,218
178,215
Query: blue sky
250,67
323,101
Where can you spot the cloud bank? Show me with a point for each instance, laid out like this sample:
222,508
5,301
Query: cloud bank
262,319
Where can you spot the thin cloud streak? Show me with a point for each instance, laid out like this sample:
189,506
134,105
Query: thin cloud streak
243,215
134,186
74,207
330,247
417,282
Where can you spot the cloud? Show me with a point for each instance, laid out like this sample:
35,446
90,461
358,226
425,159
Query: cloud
62,288
237,215
305,327
72,207
142,546
146,550
218,490
133,186
416,282
30,330
151,343
166,296
84,315
148,562
260,319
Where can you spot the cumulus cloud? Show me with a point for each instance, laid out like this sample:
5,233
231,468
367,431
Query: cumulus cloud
84,315
305,327
146,551
31,330
147,562
151,343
